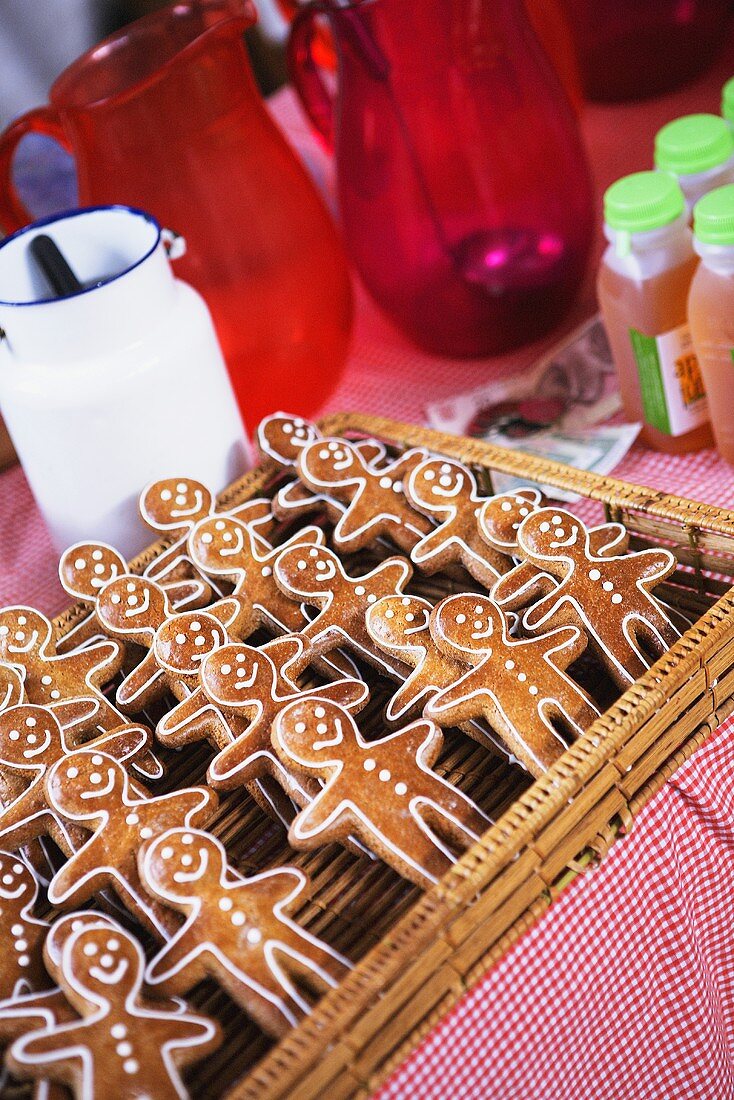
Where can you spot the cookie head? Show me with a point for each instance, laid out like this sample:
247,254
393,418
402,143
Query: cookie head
103,963
183,863
67,924
284,437
86,567
23,631
553,533
217,543
130,604
467,621
307,570
183,641
398,621
330,462
17,881
174,503
26,735
501,516
314,732
235,674
86,784
438,482
11,687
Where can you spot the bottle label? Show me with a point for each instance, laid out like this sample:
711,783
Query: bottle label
673,397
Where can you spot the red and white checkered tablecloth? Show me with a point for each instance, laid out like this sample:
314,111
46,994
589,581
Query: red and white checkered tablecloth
624,990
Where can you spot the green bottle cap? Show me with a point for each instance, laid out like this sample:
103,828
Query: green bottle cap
727,101
693,144
644,200
713,216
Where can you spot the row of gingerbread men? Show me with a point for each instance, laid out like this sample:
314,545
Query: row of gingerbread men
72,999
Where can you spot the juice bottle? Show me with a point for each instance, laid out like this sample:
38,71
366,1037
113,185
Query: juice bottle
711,309
699,151
643,287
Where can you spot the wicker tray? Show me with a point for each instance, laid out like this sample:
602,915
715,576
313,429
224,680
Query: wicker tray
417,952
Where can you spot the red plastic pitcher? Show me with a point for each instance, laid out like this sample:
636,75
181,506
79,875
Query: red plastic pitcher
166,116
463,188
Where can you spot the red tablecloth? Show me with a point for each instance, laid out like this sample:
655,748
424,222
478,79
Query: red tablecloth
624,989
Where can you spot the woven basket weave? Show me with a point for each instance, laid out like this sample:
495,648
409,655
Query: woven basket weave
419,951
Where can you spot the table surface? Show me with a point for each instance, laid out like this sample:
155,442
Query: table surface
625,988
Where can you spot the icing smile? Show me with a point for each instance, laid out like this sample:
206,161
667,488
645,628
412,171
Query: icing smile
195,875
131,612
198,505
31,644
109,977
570,541
227,552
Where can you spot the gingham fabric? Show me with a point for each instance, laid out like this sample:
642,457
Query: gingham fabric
623,991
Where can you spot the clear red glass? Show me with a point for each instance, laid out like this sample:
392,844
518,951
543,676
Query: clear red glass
463,187
632,49
166,116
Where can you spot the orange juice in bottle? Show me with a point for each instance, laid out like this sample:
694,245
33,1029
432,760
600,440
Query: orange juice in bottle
642,287
711,309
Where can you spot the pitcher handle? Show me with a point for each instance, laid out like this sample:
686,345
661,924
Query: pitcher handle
317,100
41,120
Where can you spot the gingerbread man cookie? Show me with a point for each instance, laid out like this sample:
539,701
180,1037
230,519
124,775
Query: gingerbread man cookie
173,506
92,789
447,491
122,1045
519,685
48,677
225,546
400,625
382,791
237,930
84,569
22,934
282,437
499,522
31,742
255,685
133,608
373,499
316,575
610,598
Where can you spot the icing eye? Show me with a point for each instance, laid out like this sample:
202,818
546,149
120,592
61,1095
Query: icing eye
594,574
240,658
299,423
90,949
616,598
30,721
524,511
319,712
166,494
22,620
429,475
130,586
313,553
301,564
187,839
166,852
219,525
97,760
557,519
386,482
207,537
323,454
545,527
389,614
196,626
287,429
180,638
225,670
113,945
359,590
79,563
397,486
461,619
333,446
478,609
14,735
96,555
607,586
506,506
181,487
372,598
445,468
115,598
300,727
405,601
72,773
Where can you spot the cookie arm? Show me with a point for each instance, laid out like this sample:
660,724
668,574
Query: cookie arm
174,959
102,656
72,885
521,586
142,685
320,821
428,547
347,693
188,593
54,1044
